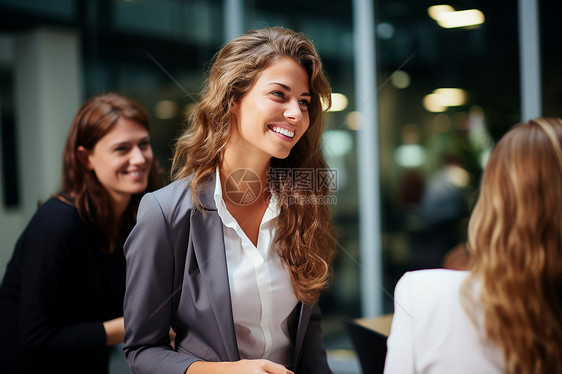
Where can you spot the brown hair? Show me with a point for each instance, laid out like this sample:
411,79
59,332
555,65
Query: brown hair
515,239
94,119
305,237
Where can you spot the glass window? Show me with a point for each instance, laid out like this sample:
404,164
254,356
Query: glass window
190,21
62,9
447,92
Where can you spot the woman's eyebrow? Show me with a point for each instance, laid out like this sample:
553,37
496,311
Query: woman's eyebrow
289,88
129,141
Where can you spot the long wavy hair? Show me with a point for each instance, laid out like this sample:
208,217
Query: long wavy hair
80,186
515,240
305,237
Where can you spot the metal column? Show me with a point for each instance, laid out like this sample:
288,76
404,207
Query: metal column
529,59
368,160
233,20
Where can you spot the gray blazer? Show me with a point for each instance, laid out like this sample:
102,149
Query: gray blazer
177,276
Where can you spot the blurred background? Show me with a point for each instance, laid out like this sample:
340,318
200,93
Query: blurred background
422,91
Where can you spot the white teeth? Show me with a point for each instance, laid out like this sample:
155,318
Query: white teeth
283,131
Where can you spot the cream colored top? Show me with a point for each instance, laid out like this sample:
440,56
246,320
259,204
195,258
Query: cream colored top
432,333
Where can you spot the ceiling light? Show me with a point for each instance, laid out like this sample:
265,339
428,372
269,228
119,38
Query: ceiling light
462,18
436,11
339,102
451,96
432,103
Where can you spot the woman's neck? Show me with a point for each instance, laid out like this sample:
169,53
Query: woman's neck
235,158
245,200
120,204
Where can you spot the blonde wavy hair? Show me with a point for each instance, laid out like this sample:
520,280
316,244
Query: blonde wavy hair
515,240
305,237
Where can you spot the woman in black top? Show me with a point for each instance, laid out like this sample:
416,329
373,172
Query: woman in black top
62,294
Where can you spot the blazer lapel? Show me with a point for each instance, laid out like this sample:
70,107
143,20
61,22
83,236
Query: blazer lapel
208,245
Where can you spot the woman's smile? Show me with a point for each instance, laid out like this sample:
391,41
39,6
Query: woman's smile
284,133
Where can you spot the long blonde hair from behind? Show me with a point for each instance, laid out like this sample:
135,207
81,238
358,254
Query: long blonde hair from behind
515,239
305,238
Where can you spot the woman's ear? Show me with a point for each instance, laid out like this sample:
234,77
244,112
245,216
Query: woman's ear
234,113
83,156
235,103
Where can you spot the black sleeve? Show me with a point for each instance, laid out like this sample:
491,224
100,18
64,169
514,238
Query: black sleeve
48,243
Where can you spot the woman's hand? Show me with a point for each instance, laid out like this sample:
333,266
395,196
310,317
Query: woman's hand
114,331
238,367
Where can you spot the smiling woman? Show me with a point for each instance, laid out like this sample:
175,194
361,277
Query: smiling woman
121,161
238,278
61,298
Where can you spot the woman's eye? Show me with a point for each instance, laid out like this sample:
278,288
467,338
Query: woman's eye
305,103
278,94
144,145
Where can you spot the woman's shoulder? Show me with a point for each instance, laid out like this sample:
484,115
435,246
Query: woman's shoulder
172,193
54,223
175,188
431,284
436,276
432,298
180,192
56,212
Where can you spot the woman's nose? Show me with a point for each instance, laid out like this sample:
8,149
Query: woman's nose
137,156
293,111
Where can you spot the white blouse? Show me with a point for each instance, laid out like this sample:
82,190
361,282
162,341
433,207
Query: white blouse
432,333
260,287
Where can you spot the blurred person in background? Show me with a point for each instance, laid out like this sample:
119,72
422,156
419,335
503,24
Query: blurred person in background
503,315
61,300
236,269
